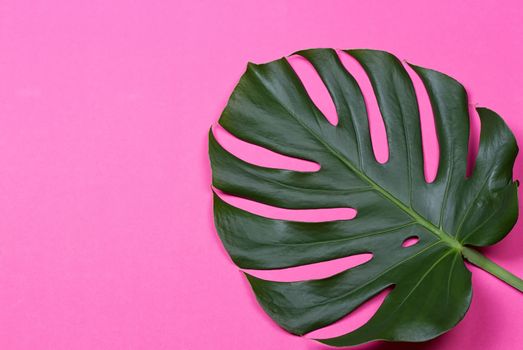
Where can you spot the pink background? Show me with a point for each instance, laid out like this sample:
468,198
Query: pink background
106,234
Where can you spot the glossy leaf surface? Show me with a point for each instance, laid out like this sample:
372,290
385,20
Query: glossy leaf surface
431,285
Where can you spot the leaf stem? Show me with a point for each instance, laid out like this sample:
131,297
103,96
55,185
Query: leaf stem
488,265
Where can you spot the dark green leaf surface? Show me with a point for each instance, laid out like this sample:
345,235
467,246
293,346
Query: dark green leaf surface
431,285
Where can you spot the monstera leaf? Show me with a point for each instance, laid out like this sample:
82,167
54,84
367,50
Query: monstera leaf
431,286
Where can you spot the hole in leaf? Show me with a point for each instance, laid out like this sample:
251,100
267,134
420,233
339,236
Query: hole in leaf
429,138
314,271
353,320
259,155
303,215
315,88
378,133
410,241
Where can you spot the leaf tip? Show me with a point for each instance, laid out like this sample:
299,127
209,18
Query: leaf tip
251,66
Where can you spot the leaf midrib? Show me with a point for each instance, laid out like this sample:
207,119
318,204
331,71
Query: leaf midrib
383,192
439,233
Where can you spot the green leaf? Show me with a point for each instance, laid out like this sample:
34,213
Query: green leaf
431,284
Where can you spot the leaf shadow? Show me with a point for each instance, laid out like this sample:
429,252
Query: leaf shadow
381,345
433,344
